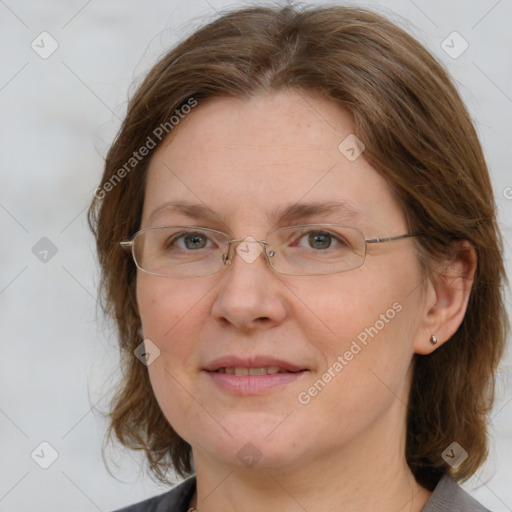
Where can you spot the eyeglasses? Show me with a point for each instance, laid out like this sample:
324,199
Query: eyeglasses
302,250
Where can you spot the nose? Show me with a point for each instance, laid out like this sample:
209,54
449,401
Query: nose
250,294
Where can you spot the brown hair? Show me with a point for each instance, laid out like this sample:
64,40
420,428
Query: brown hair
418,135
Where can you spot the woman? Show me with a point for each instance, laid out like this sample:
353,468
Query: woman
298,242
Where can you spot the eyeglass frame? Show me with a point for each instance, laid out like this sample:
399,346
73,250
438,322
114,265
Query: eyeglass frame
128,245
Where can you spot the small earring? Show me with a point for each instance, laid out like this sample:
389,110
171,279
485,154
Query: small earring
433,340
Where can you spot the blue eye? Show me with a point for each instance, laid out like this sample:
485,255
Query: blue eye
323,240
192,241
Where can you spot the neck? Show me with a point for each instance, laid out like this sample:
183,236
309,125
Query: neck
370,473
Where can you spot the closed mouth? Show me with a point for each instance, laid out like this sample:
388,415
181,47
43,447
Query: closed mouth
255,365
239,370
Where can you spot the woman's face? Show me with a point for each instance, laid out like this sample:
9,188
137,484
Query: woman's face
351,334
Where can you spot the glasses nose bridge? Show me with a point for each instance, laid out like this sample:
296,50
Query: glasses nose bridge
227,258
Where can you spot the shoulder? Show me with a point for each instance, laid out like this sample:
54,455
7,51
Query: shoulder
448,496
175,500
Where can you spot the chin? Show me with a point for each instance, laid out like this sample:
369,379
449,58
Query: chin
246,455
241,441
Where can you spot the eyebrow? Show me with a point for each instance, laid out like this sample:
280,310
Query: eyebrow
287,214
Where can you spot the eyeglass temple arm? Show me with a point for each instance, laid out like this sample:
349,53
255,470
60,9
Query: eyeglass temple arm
390,238
126,245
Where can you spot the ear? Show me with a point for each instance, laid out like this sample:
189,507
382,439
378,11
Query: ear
446,299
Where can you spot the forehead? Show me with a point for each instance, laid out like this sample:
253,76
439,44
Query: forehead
250,161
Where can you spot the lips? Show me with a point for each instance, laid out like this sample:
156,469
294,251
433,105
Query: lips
240,370
228,363
252,376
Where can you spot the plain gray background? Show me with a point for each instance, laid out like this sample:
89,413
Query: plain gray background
59,114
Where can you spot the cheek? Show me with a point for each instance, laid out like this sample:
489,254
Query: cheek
163,305
152,304
368,316
345,306
168,313
366,354
172,314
